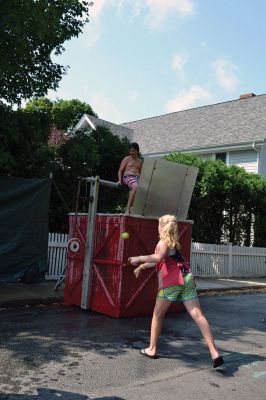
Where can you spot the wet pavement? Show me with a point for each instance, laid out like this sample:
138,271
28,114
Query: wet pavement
58,352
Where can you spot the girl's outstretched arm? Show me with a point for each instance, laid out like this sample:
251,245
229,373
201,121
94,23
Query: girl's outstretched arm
146,265
161,251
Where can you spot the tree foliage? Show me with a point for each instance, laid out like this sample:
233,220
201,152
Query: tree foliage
24,134
64,114
25,152
24,147
94,153
32,32
227,203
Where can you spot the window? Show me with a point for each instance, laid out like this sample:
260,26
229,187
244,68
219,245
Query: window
220,156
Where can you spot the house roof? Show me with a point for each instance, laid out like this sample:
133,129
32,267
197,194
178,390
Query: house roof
118,130
238,121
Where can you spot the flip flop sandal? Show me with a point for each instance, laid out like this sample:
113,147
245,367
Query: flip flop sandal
143,352
217,362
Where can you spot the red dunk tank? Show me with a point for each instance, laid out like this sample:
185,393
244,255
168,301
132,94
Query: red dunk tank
98,275
114,289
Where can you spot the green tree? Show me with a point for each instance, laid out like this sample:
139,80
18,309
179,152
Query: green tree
112,149
64,114
208,198
213,197
31,33
41,106
92,153
245,196
67,113
24,150
256,206
238,203
227,203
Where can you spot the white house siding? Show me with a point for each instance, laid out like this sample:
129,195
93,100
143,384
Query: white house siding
262,161
247,159
206,156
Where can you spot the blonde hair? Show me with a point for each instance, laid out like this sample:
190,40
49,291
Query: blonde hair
169,231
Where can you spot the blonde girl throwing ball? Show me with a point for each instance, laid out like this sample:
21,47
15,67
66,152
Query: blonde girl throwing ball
175,285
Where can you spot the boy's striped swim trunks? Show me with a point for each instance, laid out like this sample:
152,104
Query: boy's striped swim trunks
131,180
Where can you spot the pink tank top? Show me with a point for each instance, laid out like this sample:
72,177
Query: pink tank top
169,273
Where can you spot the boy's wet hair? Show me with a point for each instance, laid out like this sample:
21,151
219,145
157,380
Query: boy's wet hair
134,146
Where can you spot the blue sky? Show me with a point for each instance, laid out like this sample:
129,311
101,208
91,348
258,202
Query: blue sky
141,58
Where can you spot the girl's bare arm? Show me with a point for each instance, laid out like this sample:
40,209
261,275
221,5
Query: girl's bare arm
146,265
161,251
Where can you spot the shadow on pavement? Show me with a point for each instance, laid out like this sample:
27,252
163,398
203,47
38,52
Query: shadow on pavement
35,337
51,394
235,361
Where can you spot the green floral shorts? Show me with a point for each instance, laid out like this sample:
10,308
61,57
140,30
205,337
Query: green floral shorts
180,293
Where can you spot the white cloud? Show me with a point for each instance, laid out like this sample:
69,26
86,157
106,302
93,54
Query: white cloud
226,74
93,30
61,93
156,12
134,95
159,10
137,6
105,108
97,8
119,6
92,33
186,100
178,63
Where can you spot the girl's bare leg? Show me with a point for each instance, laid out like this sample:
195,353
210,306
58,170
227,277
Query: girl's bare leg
194,309
159,312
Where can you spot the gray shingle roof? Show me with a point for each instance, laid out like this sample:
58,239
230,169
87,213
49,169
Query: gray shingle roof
237,121
118,130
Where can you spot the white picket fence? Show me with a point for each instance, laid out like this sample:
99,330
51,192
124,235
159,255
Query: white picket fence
228,260
209,260
57,249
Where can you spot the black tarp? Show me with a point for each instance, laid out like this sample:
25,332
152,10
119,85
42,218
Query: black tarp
24,205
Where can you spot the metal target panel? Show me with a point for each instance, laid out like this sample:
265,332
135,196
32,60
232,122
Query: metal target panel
165,187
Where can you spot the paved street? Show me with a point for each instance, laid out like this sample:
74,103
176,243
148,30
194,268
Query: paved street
55,352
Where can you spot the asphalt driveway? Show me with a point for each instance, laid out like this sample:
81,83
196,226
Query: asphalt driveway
55,352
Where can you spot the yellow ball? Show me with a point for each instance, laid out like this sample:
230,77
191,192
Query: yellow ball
124,235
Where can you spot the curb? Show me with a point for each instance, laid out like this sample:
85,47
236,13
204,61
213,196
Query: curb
232,290
34,301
